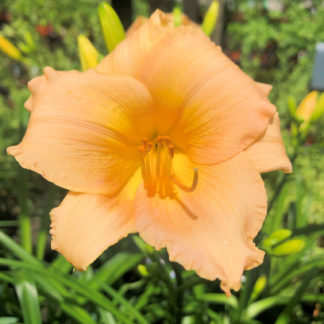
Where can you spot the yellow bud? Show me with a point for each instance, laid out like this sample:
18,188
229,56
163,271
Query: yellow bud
87,52
142,270
288,247
319,109
307,106
9,49
276,237
210,18
111,26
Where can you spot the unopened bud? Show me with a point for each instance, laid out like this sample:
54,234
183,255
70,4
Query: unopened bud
111,26
307,106
9,49
210,18
276,237
289,247
87,52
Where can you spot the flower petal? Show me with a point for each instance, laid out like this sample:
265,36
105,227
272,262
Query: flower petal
83,130
211,229
264,88
130,55
211,108
85,225
268,152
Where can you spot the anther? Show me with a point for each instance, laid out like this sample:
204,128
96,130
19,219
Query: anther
184,187
171,150
148,147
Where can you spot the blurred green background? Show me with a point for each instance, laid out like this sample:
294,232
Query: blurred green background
272,41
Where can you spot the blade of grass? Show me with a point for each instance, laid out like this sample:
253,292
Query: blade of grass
79,287
284,317
219,299
24,217
8,320
28,299
61,264
8,223
77,313
115,268
16,249
282,283
132,311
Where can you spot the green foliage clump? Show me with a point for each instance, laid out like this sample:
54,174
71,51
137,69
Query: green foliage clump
277,45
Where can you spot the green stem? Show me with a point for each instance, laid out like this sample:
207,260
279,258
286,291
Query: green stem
281,182
45,222
179,293
24,217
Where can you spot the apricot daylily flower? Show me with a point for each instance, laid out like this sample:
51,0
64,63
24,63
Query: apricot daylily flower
167,137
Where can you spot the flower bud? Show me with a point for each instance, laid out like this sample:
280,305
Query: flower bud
111,26
87,52
259,286
276,237
307,106
142,270
319,109
177,16
210,18
289,247
9,49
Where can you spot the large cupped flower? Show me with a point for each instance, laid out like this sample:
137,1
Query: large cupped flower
167,137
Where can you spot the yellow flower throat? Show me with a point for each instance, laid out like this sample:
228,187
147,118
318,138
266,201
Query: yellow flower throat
156,162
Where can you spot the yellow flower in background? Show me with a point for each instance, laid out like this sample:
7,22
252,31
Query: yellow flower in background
166,137
307,106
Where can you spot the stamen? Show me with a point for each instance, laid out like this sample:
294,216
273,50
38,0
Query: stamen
171,150
157,171
184,187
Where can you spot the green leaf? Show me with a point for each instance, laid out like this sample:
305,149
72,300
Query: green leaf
61,264
28,299
8,320
16,249
83,289
77,313
8,223
262,305
309,229
115,268
289,273
284,317
106,317
131,310
219,299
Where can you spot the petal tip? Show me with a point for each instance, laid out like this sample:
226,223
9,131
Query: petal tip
50,73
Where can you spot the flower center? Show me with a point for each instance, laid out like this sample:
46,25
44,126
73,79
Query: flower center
157,171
